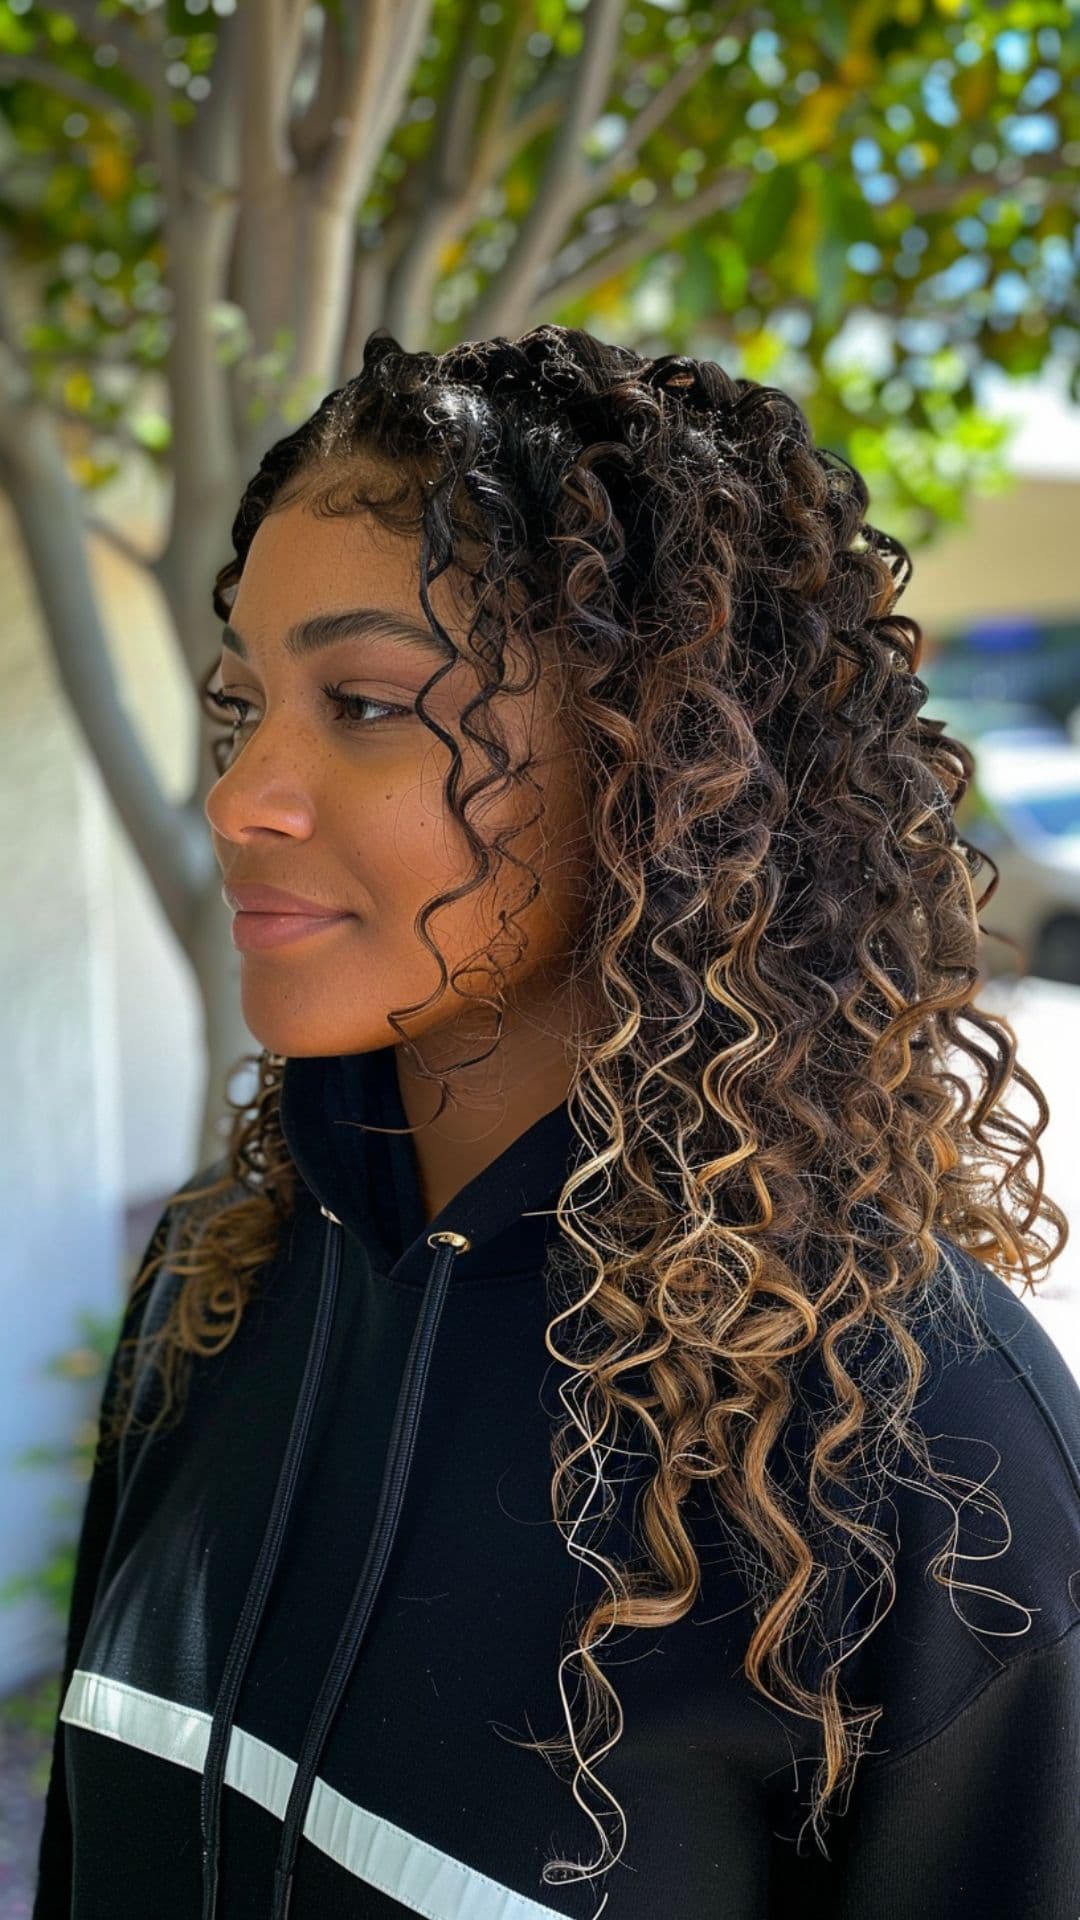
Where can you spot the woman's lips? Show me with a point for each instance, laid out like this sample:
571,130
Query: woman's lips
257,930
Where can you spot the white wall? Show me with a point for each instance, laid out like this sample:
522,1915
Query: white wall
158,1037
61,1172
99,1037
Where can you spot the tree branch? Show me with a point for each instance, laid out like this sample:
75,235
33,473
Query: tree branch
45,73
266,237
371,93
511,291
932,194
199,222
293,22
663,222
668,220
139,59
650,117
264,151
118,539
538,112
542,108
486,162
46,507
210,142
439,188
367,307
373,90
18,373
311,131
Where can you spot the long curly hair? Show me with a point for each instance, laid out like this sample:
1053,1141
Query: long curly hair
783,930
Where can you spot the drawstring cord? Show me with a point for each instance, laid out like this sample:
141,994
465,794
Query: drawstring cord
255,1599
400,1448
399,1456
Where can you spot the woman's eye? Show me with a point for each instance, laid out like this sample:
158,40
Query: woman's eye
350,713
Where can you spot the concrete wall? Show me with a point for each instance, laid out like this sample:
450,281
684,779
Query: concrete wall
99,1037
1017,554
61,1174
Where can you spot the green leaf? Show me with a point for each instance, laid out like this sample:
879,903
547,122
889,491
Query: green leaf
152,430
16,36
835,27
764,216
696,284
831,252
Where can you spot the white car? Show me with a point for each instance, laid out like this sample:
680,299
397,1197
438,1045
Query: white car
1023,809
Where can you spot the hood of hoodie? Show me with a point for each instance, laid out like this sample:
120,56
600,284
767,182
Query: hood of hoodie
333,1111
344,1124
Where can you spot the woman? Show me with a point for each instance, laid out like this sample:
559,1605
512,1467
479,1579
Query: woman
609,1119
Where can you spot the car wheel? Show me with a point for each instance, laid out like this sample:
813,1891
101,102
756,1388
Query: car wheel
1056,954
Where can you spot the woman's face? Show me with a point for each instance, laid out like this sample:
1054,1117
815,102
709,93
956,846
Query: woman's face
350,812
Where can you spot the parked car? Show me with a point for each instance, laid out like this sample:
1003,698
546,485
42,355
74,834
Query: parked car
973,719
1023,809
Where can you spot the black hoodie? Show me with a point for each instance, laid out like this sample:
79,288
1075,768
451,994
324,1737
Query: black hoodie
314,1623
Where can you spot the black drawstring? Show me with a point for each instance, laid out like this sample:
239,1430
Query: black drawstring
395,1477
255,1599
399,1455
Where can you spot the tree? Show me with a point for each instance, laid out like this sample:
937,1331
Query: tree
204,212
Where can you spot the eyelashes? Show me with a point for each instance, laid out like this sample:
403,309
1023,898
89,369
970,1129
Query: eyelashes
350,708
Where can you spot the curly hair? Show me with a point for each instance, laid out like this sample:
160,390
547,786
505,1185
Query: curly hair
783,931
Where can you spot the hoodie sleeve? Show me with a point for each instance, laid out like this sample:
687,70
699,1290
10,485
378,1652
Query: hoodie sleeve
982,1817
53,1895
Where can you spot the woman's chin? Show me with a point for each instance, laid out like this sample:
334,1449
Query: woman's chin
304,1029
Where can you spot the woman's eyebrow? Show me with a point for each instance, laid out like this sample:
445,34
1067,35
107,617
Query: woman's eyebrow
349,623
